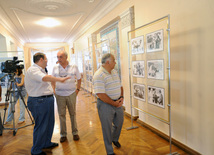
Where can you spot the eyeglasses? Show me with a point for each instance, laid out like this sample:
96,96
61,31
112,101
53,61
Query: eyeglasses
63,74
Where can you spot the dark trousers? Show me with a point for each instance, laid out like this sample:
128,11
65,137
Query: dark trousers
111,119
42,110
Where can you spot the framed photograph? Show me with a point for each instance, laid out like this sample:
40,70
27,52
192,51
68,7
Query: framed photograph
87,77
137,45
154,41
139,91
90,78
156,96
155,69
138,69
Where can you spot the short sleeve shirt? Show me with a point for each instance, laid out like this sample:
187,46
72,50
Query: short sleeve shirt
107,83
33,82
68,87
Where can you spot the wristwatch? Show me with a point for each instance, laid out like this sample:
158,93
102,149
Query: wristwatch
78,89
121,97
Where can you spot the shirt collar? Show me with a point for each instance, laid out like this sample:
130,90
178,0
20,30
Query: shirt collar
43,70
104,70
65,67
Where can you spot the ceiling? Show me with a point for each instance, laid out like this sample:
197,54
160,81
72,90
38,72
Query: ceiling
21,18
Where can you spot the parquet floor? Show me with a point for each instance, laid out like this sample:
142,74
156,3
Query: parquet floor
138,141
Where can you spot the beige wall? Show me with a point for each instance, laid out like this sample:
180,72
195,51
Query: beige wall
191,66
9,38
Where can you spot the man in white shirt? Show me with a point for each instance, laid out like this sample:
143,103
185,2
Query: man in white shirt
66,94
41,103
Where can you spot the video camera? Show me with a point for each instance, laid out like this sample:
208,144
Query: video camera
10,66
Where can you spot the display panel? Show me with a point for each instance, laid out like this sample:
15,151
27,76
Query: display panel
149,68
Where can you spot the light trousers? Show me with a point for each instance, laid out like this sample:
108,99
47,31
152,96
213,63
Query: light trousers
70,103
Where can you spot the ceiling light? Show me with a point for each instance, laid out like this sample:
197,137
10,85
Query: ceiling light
48,22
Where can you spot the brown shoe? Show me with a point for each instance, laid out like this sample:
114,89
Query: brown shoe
21,122
76,137
62,139
5,123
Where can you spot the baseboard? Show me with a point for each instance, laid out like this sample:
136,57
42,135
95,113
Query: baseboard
163,135
128,115
3,104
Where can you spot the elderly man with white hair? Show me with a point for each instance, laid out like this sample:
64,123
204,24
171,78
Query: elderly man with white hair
66,94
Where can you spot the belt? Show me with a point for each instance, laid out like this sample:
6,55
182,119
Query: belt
112,99
45,96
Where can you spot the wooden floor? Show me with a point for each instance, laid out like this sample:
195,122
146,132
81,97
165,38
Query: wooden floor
138,141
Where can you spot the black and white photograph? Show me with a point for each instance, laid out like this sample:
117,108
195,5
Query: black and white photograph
154,41
137,45
138,69
90,66
156,96
86,67
99,53
155,69
139,91
90,78
87,77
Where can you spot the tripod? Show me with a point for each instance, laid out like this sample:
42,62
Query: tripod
10,95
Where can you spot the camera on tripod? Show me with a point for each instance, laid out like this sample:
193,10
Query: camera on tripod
10,66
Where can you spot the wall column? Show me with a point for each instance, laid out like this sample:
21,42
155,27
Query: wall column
126,24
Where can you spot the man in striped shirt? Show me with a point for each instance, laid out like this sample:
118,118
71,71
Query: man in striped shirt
109,91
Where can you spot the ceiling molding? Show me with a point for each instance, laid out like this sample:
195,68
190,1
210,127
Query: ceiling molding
107,7
77,16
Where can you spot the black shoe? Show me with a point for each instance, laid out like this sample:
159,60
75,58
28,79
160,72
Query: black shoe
76,137
52,146
62,139
117,144
42,153
111,154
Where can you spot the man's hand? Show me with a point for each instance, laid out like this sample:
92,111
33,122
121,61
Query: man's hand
119,103
0,99
77,91
64,79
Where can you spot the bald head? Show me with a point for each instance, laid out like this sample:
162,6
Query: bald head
63,53
62,57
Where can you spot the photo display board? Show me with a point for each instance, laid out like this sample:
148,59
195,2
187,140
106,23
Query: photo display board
101,48
149,53
112,35
88,68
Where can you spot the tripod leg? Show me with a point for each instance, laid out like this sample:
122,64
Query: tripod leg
1,126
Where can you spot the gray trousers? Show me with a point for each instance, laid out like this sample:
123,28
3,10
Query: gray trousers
111,119
70,102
